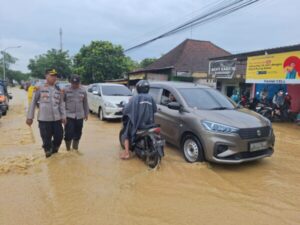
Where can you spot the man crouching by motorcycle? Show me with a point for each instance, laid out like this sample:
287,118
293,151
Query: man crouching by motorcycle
139,114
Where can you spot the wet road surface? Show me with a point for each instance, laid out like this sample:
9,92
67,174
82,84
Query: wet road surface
94,187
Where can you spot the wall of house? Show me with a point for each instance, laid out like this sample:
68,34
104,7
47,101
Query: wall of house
207,82
294,91
158,77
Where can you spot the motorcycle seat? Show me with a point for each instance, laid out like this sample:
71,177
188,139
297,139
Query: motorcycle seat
145,130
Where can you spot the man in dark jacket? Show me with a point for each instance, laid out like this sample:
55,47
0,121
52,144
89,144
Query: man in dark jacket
139,114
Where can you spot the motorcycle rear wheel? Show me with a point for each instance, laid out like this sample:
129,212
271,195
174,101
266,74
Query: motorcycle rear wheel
154,160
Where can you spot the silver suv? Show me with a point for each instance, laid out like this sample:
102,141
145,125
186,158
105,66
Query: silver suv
207,125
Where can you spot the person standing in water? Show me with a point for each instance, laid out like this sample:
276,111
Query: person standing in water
51,113
77,109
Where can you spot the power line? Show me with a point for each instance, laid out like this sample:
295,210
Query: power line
216,13
184,17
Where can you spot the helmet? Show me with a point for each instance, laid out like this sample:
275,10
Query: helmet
143,87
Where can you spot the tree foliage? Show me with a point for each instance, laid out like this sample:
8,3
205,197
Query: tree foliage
17,76
11,74
57,59
146,62
101,60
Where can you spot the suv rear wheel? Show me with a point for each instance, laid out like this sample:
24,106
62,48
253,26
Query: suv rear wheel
192,149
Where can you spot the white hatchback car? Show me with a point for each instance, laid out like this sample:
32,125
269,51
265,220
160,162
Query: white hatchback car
106,99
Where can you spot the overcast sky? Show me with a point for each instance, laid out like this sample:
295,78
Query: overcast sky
34,24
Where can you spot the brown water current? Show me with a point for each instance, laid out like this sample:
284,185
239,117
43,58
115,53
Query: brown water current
93,186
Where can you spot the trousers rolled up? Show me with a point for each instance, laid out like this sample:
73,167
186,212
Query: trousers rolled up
73,129
52,134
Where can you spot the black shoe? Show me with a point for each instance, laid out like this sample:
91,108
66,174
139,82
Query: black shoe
75,144
68,145
54,150
48,153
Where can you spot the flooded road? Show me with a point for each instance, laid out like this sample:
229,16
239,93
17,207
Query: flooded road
94,187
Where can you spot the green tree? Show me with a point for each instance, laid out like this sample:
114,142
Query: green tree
11,74
57,59
9,60
17,75
147,61
101,60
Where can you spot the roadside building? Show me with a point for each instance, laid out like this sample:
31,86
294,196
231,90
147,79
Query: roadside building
187,62
254,72
118,81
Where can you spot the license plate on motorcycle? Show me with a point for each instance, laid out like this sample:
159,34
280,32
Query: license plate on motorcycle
258,146
161,142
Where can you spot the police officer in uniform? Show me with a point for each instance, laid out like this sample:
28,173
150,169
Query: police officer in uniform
51,113
77,109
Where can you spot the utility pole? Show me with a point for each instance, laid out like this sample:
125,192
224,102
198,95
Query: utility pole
60,39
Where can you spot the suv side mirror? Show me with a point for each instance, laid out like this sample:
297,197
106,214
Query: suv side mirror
174,105
96,93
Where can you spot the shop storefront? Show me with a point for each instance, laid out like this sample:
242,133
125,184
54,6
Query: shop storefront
271,72
229,76
252,73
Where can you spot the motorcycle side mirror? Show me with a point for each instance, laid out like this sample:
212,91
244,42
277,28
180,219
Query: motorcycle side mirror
174,106
10,96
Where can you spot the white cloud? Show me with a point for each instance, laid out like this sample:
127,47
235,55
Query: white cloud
34,24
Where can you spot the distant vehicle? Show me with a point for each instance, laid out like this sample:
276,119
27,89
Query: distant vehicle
206,125
4,98
106,100
63,84
40,83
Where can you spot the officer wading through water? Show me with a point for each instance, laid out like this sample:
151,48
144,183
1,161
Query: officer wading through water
77,109
51,114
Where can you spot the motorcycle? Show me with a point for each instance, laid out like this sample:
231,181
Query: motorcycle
148,144
265,110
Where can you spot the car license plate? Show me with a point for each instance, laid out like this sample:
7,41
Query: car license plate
258,146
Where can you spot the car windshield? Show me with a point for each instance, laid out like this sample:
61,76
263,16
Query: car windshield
206,98
116,91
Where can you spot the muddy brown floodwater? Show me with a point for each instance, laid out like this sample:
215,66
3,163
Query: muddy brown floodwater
94,187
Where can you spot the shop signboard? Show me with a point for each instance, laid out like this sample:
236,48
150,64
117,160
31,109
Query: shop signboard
280,68
224,69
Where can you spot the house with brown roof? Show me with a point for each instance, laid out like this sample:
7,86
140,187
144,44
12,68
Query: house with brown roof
189,61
